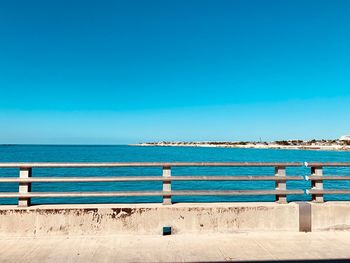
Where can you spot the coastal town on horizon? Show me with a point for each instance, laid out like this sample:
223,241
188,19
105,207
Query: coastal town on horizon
341,144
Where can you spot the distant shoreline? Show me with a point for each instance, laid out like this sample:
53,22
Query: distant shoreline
325,145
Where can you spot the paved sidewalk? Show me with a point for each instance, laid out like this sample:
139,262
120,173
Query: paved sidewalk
178,248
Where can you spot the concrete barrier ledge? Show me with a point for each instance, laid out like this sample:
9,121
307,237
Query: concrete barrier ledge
147,218
330,216
114,219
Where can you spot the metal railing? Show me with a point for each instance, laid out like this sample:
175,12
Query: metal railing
317,179
25,180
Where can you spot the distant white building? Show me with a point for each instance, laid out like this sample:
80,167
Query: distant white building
345,138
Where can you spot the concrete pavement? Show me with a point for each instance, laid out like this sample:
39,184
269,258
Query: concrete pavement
178,248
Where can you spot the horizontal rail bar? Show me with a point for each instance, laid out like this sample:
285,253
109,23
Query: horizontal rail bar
151,164
147,178
152,193
328,177
335,191
78,194
328,164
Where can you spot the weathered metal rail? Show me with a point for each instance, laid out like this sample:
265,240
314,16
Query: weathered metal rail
149,164
25,180
317,180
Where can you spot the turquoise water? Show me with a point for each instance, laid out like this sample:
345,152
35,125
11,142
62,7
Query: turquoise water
64,153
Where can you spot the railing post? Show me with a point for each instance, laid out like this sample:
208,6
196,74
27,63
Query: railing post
281,185
166,185
317,184
24,172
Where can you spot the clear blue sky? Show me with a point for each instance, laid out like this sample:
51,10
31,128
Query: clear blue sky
129,71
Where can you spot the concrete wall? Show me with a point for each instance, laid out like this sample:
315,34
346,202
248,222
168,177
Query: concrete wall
330,216
147,218
183,218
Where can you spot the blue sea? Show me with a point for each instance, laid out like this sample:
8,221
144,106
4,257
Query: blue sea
123,153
